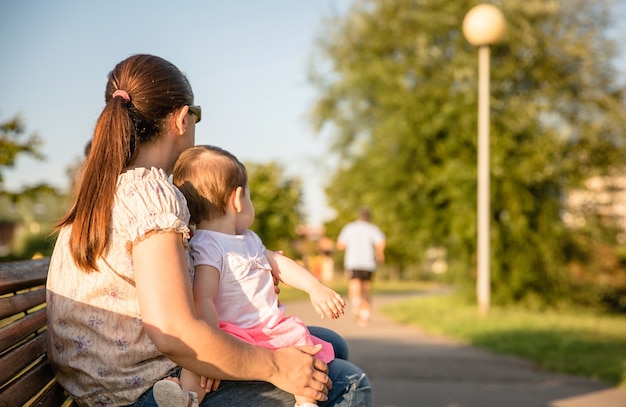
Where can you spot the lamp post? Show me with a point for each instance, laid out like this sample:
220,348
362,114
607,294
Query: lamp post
483,25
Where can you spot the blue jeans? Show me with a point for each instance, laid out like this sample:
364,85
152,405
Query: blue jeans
351,387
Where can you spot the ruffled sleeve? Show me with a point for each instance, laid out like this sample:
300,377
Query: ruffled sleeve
145,201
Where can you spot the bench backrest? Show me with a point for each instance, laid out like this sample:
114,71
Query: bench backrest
26,377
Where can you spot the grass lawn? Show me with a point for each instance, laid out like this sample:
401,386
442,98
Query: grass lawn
577,343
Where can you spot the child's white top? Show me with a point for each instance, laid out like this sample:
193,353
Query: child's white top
245,273
246,303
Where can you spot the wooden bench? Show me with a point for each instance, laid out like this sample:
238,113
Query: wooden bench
26,377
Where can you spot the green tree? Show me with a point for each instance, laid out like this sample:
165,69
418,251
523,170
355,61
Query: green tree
27,215
398,85
277,203
11,146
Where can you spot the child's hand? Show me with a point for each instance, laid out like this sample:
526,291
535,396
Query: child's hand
209,384
327,302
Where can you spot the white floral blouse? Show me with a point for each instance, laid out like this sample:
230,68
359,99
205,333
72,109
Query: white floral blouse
97,343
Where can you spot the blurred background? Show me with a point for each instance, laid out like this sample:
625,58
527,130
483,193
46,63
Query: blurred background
334,104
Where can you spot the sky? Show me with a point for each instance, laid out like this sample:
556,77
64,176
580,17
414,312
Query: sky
246,60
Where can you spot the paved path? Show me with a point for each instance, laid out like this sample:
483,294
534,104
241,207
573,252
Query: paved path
411,368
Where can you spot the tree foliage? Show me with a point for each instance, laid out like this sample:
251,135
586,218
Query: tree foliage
398,86
11,146
277,203
28,217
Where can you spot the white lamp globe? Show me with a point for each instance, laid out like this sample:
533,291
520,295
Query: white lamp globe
484,25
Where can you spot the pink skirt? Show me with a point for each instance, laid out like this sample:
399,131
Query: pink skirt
290,331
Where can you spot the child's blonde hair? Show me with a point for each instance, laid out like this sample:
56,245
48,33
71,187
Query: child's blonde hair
207,176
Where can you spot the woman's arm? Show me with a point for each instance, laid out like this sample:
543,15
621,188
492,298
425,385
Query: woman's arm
166,304
325,300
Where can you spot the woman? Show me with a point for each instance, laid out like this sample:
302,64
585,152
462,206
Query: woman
120,307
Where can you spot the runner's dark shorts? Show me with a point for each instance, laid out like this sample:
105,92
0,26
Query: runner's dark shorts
363,275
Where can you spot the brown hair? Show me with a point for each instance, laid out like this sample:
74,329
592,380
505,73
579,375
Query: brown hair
207,176
155,88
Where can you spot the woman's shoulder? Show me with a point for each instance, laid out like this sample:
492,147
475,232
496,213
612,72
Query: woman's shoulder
146,199
146,184
141,176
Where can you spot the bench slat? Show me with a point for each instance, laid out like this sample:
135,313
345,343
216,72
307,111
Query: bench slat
21,302
25,373
28,385
17,359
21,328
55,396
18,275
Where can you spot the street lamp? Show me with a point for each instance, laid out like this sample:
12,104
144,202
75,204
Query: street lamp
483,25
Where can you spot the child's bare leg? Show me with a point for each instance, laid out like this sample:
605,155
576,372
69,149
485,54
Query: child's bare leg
302,401
191,382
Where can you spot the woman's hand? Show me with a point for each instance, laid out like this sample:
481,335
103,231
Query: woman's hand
299,372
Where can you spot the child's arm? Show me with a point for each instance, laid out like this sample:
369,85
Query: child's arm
325,300
204,294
